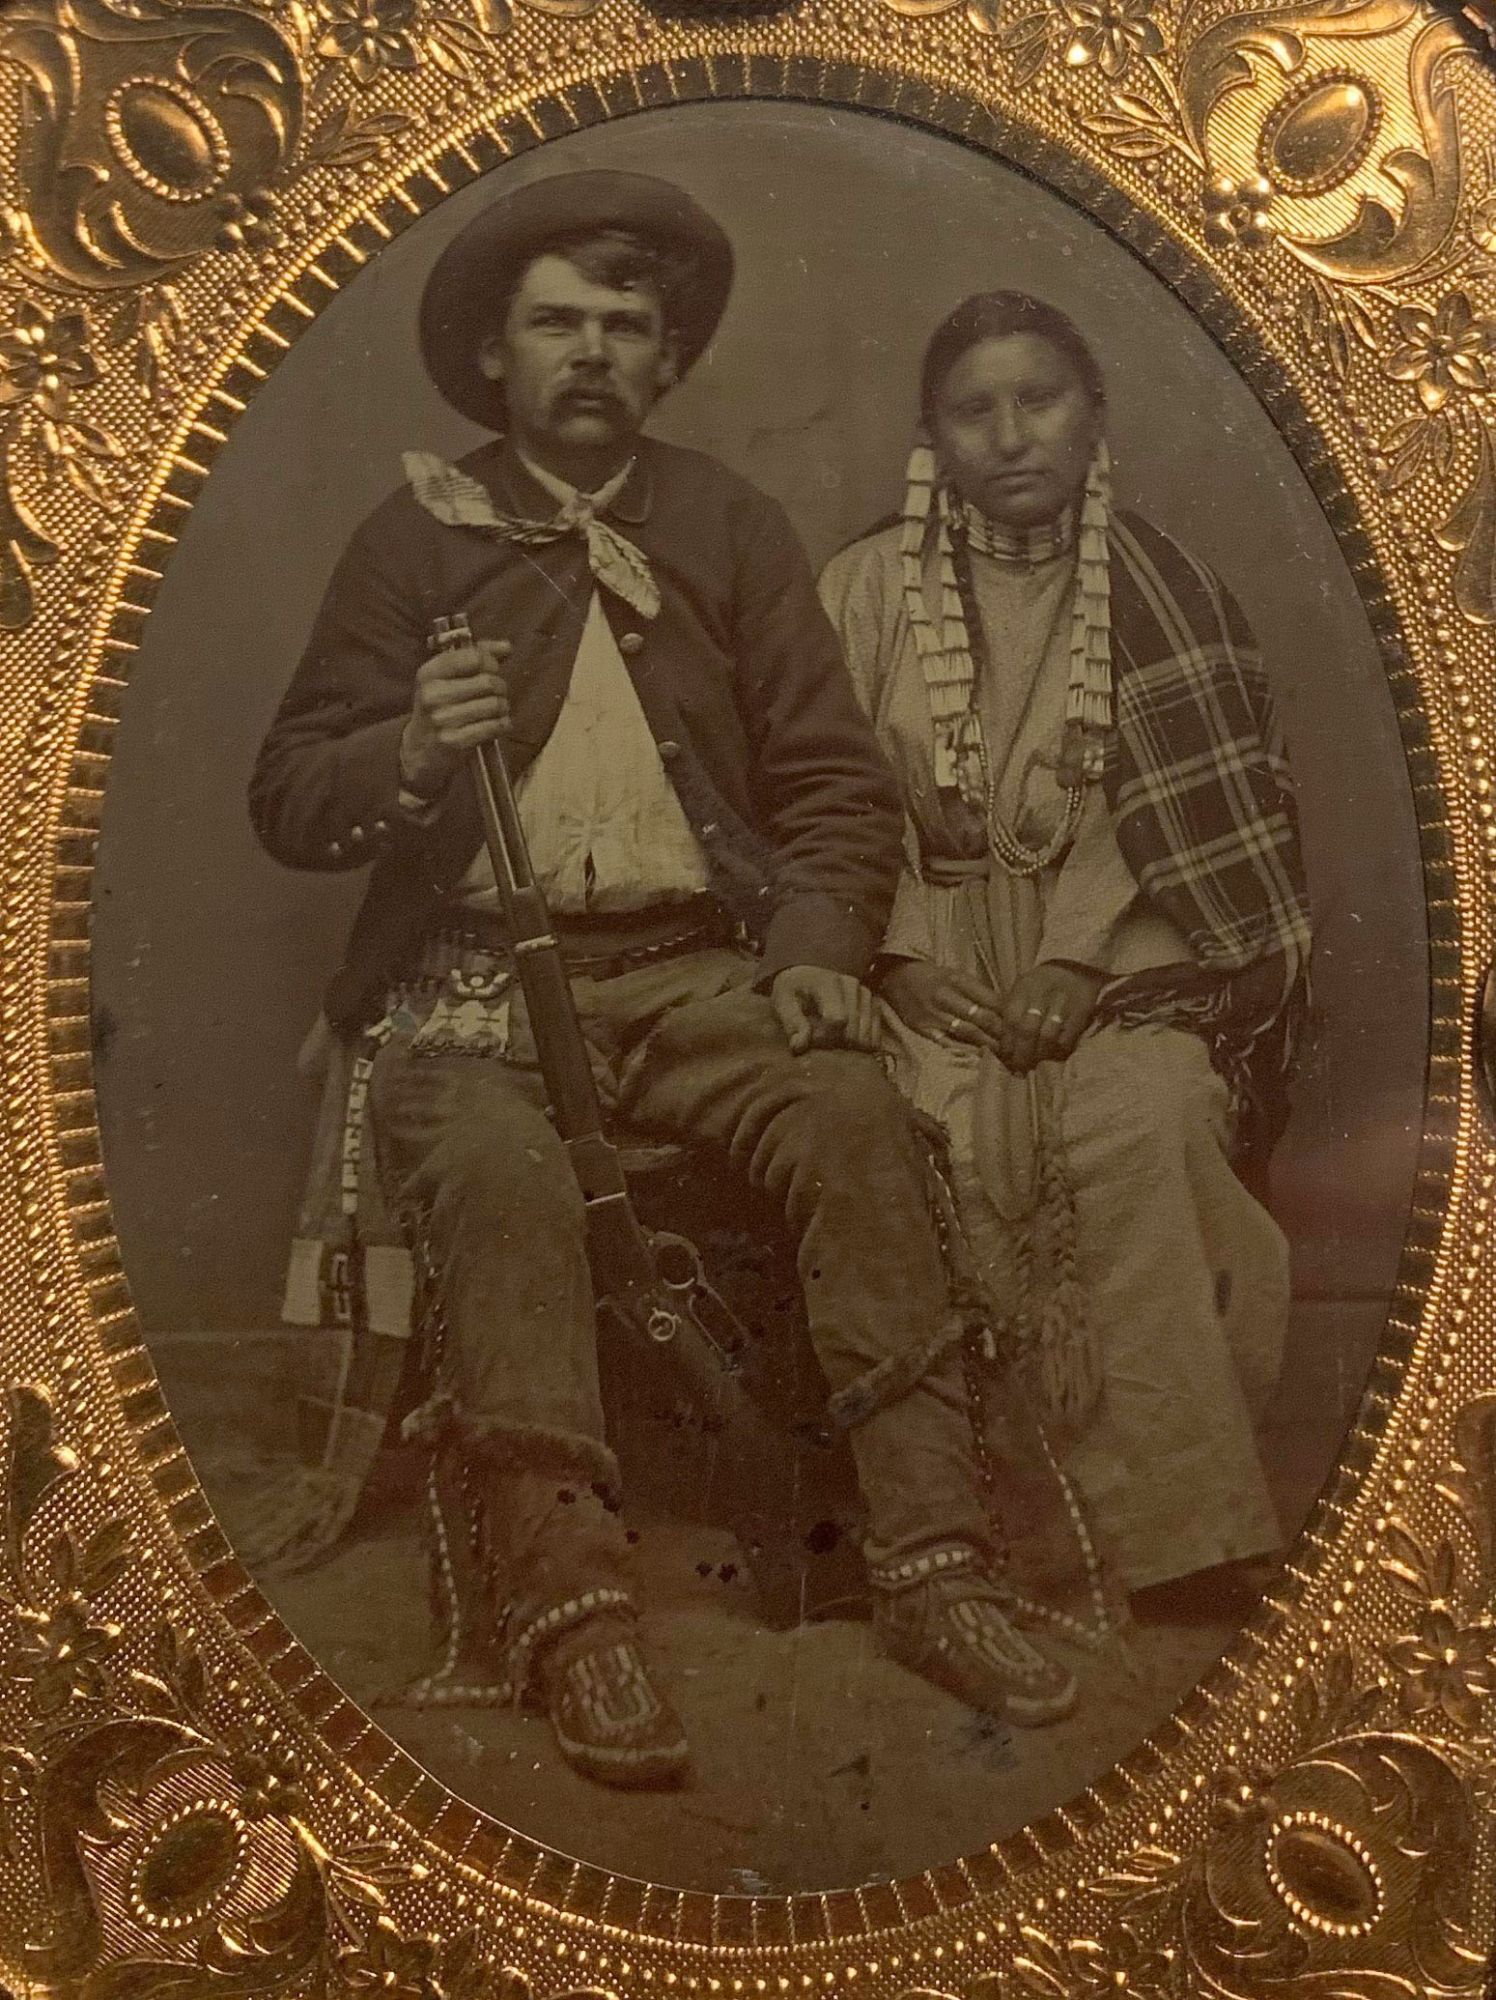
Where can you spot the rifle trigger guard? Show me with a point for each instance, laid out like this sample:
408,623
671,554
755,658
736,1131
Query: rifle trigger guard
677,1262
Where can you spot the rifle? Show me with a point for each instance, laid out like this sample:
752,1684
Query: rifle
652,1281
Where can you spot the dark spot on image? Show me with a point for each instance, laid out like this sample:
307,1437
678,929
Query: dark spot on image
990,1739
105,1027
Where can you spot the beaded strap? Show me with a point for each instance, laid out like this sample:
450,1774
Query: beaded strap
919,1569
360,1075
443,1688
560,1618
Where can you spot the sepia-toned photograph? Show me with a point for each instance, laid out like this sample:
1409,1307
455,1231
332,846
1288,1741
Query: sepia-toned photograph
761,996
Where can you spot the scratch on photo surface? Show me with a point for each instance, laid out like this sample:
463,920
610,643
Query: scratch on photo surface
540,570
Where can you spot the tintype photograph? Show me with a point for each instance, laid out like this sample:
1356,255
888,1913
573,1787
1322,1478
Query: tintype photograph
760,996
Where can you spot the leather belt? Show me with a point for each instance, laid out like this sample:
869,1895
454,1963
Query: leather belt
597,946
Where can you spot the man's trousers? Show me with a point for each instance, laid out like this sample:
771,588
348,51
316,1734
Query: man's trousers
683,1050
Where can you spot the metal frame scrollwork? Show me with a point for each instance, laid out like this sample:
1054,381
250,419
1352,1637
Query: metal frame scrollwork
187,1807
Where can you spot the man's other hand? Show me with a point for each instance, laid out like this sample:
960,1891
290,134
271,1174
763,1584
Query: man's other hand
824,1010
460,701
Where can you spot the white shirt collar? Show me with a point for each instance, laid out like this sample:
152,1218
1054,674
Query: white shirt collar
566,494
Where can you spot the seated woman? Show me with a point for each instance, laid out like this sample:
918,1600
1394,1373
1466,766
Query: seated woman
1097,956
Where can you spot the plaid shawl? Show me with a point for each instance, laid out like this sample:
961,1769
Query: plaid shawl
1202,803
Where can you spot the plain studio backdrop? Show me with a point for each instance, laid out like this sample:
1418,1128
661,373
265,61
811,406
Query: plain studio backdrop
854,237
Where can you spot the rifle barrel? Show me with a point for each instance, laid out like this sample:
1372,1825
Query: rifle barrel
623,1267
502,831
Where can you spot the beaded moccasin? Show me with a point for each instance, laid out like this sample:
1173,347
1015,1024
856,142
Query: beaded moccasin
611,1722
952,1631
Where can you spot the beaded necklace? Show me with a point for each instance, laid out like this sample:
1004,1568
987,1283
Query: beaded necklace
952,652
1015,855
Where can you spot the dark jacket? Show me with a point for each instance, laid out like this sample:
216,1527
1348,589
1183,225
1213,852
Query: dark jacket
740,677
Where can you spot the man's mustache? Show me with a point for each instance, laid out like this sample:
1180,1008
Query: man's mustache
587,392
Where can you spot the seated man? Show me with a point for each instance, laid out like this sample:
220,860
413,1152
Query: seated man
692,769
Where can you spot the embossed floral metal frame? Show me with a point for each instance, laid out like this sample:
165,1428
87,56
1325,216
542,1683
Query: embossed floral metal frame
187,1805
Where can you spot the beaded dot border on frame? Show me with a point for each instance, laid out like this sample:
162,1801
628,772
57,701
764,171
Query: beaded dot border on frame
664,1937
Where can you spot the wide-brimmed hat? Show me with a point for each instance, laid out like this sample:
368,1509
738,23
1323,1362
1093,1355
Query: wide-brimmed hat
483,261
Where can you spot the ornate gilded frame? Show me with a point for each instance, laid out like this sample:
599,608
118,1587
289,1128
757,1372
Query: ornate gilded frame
187,1803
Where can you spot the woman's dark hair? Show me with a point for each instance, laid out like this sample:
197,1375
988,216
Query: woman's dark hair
993,316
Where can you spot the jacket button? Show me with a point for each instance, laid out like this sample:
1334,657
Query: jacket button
381,826
631,643
335,849
669,750
355,833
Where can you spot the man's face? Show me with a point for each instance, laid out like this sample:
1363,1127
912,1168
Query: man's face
582,365
1015,429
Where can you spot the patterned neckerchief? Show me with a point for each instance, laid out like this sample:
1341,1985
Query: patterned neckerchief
457,499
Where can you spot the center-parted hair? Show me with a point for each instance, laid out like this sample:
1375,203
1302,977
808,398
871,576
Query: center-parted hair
996,316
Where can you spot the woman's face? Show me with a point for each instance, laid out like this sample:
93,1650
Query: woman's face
1015,429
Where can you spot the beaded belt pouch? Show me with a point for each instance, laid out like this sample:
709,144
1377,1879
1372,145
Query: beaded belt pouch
470,1015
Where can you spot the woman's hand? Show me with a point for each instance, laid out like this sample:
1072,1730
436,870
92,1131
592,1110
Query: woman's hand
1045,1014
946,1006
